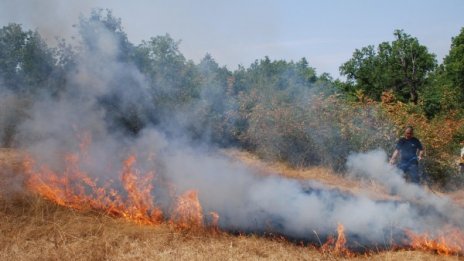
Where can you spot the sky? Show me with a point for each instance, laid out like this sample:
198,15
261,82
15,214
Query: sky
238,32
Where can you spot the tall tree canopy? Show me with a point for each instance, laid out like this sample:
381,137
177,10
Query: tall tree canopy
454,63
25,60
402,66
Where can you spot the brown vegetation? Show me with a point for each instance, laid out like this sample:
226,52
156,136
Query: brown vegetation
322,175
440,135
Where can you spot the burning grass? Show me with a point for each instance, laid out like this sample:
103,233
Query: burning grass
34,228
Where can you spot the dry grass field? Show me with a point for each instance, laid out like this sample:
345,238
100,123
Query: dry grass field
32,228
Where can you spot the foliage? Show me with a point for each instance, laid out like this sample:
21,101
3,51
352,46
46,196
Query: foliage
25,61
440,97
172,78
401,66
439,135
27,68
322,131
212,109
454,63
285,115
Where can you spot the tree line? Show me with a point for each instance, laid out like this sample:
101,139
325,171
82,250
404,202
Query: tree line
281,110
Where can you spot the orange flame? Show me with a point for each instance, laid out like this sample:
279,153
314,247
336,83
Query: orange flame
341,240
139,202
76,189
450,241
188,211
337,247
214,224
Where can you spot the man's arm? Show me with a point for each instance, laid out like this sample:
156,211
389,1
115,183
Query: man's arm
394,156
421,154
421,151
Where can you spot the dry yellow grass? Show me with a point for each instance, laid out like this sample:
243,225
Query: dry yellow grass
323,175
34,229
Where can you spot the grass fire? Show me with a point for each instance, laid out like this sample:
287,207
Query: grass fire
112,151
133,195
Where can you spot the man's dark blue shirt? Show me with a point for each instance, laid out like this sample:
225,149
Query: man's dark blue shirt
408,150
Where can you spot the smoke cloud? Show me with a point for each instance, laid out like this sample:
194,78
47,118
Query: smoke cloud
373,165
248,202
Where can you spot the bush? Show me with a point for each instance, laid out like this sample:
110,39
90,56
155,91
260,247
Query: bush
440,136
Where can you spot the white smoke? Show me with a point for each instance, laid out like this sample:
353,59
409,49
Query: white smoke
247,201
373,165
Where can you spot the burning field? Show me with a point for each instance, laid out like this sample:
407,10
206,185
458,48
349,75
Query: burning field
203,190
75,215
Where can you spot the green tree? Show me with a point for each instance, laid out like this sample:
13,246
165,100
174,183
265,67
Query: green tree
402,66
162,61
27,67
100,26
454,63
361,73
445,91
214,109
173,80
26,62
412,62
12,42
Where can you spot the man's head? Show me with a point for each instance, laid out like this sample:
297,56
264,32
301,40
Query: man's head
408,132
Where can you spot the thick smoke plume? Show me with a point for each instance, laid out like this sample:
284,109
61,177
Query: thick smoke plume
102,86
374,166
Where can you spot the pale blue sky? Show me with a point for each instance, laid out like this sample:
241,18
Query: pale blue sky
237,32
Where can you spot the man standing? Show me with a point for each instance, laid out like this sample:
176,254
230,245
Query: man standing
410,150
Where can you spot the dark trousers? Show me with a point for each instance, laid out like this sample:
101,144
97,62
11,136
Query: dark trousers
411,171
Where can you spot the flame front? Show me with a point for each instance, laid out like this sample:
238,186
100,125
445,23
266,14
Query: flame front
188,212
341,240
338,246
450,241
134,200
76,189
139,198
